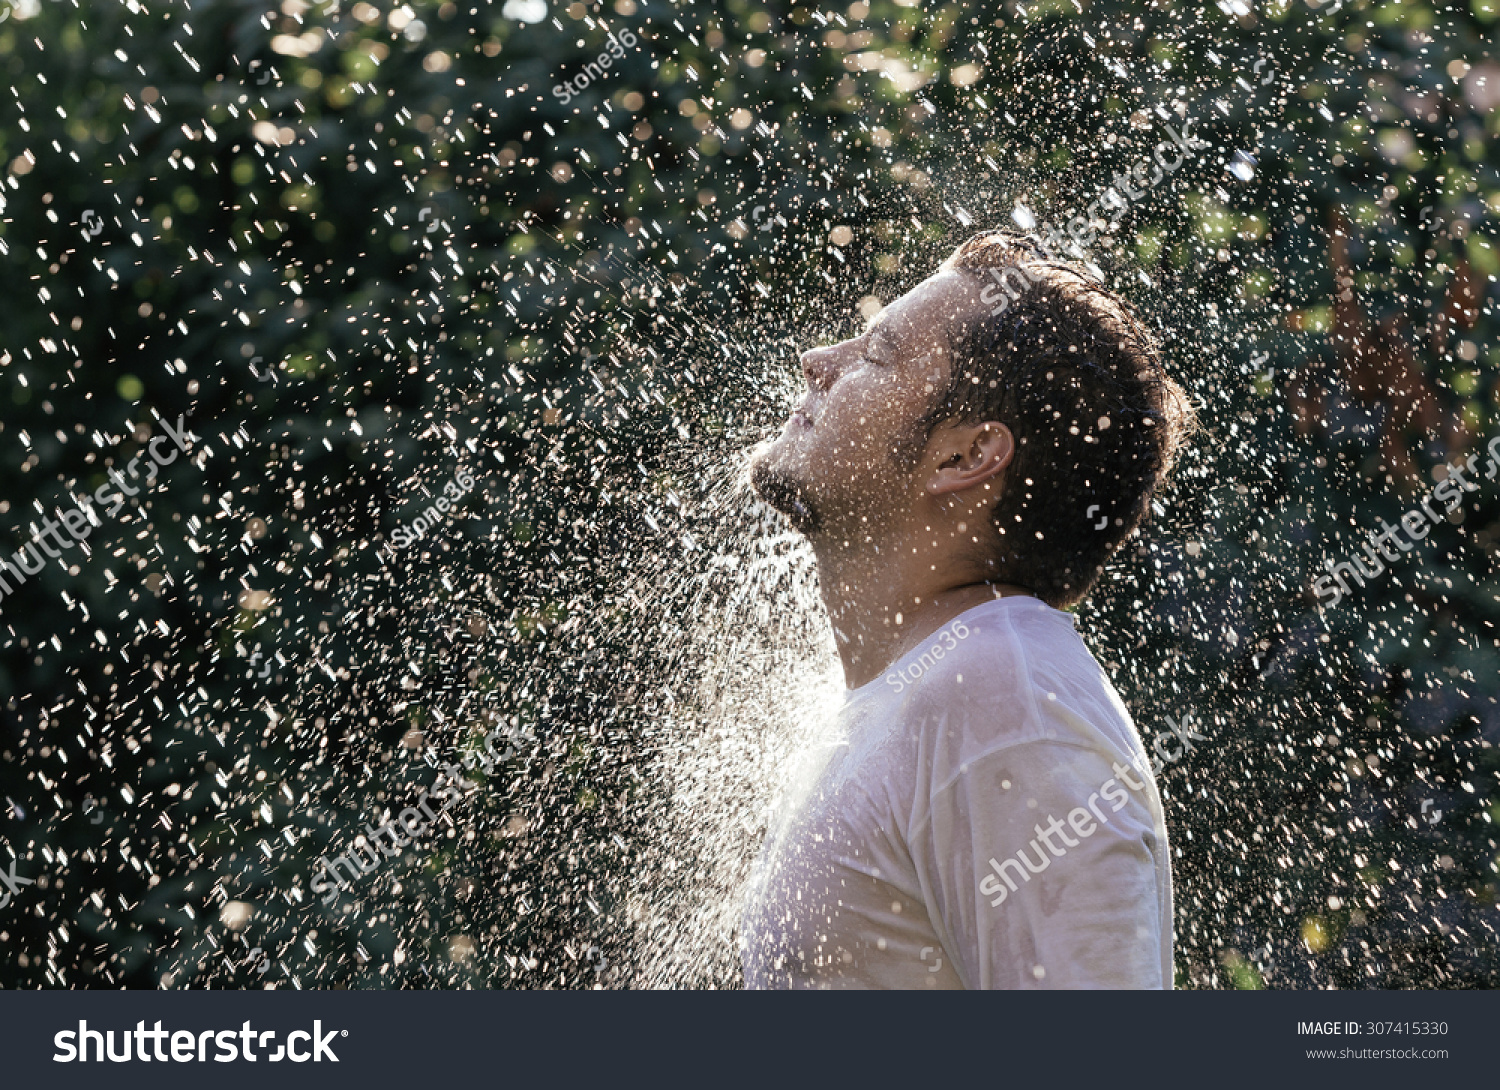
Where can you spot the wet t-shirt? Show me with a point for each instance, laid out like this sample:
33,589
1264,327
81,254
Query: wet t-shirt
981,816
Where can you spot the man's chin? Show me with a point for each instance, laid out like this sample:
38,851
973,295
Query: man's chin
785,493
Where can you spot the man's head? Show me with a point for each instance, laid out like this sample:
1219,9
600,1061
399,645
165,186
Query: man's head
1009,410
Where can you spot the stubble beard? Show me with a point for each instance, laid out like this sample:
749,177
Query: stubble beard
786,494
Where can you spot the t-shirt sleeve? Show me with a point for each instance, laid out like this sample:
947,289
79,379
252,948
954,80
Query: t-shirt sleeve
1037,863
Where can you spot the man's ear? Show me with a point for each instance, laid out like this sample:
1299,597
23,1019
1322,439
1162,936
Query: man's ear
966,456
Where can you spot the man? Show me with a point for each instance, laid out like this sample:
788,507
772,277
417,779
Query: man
981,813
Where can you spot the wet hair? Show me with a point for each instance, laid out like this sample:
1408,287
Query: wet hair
1077,378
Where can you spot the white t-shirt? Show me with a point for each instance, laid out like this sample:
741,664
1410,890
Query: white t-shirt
981,816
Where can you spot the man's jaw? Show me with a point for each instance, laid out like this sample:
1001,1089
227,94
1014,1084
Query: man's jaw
786,494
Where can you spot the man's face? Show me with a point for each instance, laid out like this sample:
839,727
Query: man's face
841,460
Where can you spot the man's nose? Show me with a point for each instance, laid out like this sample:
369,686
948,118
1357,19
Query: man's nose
820,366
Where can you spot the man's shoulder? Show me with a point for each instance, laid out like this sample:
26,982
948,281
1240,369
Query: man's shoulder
1018,676
1005,645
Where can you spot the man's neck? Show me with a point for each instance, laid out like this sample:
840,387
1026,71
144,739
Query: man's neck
882,604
